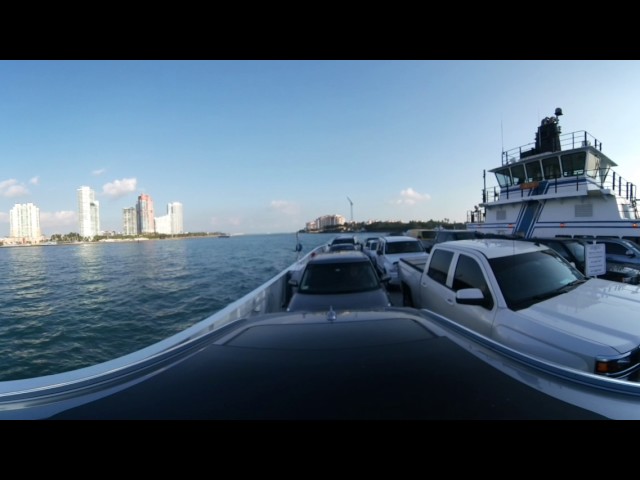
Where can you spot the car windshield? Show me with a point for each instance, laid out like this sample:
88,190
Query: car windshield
404,247
330,278
532,277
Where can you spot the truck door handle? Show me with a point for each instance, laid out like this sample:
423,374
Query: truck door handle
449,300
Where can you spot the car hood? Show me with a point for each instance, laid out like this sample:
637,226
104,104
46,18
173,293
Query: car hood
600,310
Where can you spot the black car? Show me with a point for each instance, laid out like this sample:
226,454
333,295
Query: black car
573,250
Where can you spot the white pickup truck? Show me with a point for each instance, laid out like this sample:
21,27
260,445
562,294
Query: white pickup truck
527,297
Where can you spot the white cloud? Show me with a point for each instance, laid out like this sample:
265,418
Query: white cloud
119,188
410,197
99,171
284,207
12,188
34,181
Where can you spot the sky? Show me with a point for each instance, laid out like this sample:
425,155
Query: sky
264,146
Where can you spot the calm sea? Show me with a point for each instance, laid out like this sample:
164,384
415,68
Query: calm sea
65,307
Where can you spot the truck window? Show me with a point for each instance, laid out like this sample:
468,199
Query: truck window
439,265
468,274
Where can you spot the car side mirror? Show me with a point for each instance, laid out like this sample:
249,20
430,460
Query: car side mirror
473,296
630,254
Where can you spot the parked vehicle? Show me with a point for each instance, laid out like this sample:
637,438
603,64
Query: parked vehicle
620,250
389,251
450,235
573,250
426,236
529,298
338,281
345,239
369,248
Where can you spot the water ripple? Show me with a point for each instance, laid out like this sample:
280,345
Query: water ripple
71,306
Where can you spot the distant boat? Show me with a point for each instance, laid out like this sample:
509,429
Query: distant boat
561,186
224,235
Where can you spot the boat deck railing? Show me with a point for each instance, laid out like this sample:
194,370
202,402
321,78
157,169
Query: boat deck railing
591,180
568,141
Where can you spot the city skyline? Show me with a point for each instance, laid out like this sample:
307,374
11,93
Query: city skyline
24,224
267,146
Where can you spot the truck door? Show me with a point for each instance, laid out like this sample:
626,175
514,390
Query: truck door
468,273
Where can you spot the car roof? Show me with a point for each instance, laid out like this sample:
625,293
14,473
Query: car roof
496,247
294,367
343,256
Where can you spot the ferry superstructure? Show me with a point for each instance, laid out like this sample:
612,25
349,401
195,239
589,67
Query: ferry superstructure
561,185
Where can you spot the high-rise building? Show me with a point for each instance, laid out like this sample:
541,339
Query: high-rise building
174,210
88,213
129,221
144,211
163,224
171,223
24,223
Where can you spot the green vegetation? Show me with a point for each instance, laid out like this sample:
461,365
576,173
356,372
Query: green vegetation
391,227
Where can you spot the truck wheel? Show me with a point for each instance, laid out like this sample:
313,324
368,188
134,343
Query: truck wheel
407,301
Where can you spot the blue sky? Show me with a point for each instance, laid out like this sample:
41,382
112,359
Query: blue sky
265,146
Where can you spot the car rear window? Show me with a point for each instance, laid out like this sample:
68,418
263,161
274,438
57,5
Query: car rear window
332,278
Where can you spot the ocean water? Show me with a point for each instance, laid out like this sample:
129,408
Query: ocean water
66,307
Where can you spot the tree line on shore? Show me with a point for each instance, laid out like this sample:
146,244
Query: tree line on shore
390,226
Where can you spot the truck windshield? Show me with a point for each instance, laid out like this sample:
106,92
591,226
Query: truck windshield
404,247
530,278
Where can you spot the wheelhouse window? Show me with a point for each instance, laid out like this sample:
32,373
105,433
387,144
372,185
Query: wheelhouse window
551,167
573,164
503,177
518,174
534,171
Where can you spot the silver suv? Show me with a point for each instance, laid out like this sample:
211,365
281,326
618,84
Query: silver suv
391,249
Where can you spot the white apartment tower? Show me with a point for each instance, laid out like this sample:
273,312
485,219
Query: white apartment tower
174,210
129,220
171,223
24,223
88,213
